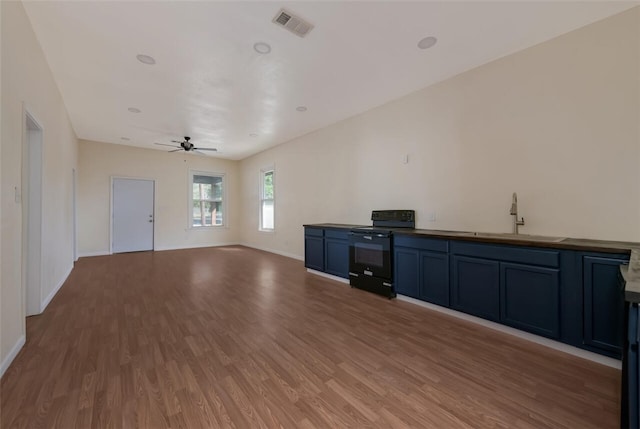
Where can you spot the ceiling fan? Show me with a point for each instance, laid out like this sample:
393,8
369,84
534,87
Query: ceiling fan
187,146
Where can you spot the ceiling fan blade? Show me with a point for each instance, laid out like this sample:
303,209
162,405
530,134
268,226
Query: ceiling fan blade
163,144
205,148
197,151
176,141
176,150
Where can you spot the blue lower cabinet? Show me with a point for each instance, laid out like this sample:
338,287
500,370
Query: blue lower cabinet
407,271
530,298
336,257
314,248
476,286
327,250
603,304
314,253
434,283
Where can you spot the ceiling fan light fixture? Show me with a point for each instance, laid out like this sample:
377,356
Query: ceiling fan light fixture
146,59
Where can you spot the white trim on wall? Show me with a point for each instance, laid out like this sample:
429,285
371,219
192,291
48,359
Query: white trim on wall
95,253
196,246
55,290
277,252
328,276
12,354
584,354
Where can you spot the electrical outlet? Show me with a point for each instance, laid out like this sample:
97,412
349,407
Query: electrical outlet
431,216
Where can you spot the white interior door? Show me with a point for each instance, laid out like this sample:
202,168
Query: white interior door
132,215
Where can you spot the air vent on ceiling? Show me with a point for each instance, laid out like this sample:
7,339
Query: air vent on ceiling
293,23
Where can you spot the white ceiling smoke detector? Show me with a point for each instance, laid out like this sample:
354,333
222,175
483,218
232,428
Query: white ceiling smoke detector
293,23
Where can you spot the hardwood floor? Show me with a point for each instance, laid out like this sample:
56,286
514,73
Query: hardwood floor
236,337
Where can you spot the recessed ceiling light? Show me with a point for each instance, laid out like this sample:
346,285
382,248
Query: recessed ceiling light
134,110
146,59
301,108
253,135
125,138
262,48
427,42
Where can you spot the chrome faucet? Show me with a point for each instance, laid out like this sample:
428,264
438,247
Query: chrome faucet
514,213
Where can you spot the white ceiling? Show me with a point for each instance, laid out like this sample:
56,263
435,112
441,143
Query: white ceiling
210,84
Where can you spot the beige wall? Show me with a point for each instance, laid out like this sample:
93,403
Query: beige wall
556,123
27,81
100,161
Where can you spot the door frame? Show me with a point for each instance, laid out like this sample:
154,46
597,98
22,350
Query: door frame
25,183
153,247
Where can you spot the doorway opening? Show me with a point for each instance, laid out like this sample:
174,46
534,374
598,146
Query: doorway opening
31,215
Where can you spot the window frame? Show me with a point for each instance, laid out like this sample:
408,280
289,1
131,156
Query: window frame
262,199
190,199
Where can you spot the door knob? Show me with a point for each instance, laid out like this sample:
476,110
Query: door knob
150,220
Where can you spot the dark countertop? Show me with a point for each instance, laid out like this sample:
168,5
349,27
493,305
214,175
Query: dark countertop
333,225
582,244
630,273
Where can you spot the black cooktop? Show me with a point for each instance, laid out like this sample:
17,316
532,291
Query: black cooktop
386,221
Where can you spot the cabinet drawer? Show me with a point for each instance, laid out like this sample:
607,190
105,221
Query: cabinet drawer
433,244
314,232
337,234
506,253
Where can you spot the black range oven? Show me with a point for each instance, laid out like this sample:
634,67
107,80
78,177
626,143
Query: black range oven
370,251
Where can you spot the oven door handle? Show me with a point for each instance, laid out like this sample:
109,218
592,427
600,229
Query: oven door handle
369,237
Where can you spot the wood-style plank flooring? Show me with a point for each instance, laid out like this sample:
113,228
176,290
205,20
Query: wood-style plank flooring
236,337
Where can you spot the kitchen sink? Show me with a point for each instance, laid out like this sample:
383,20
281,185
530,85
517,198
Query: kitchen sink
522,237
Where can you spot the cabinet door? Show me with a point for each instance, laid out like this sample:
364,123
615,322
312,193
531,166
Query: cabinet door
530,298
314,252
476,287
336,257
434,283
603,304
406,267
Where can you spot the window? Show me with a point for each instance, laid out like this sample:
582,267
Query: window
206,205
267,200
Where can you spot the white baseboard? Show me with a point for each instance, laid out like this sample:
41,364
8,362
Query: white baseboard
193,246
55,290
329,276
89,254
277,252
6,362
604,360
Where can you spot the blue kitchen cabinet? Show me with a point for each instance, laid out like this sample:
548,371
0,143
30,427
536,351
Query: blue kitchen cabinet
530,298
336,252
434,284
314,248
476,286
407,271
603,304
512,285
421,268
327,250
